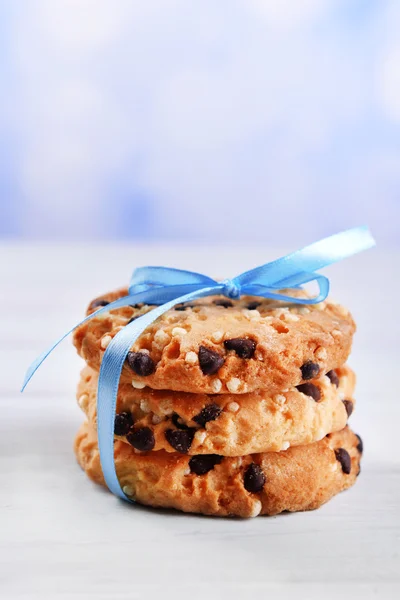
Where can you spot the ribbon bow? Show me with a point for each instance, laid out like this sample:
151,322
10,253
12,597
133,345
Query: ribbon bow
167,287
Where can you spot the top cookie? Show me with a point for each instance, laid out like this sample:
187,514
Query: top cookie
215,345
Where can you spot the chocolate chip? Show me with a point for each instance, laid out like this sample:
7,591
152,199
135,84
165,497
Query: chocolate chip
309,389
348,406
254,479
180,439
122,424
202,463
360,445
98,302
140,305
209,360
175,419
253,305
224,303
344,458
309,370
185,306
141,363
208,413
141,439
243,347
333,376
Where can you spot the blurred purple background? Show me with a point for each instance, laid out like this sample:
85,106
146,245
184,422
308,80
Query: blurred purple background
247,121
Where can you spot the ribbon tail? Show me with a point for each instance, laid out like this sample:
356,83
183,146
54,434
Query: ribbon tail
310,259
124,301
110,373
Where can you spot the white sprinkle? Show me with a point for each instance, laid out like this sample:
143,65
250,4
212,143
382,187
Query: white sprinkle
217,336
105,341
256,509
161,338
187,471
103,316
128,490
233,407
336,333
321,353
144,351
82,400
145,406
285,445
139,385
334,466
341,310
178,331
216,385
320,306
291,317
279,398
252,315
303,310
200,436
156,419
233,385
191,358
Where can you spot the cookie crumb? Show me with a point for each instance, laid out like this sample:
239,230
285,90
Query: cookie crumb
105,341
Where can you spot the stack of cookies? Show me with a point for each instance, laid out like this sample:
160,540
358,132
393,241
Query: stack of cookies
226,407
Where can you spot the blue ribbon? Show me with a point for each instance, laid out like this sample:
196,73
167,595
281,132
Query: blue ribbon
165,287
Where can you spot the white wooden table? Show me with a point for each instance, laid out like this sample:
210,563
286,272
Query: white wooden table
63,537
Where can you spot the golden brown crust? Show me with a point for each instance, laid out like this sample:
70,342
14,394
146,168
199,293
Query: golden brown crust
246,424
301,478
286,337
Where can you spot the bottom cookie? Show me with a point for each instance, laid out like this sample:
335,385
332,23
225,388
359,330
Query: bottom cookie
300,478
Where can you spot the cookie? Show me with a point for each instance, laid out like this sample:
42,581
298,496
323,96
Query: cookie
226,424
300,478
221,346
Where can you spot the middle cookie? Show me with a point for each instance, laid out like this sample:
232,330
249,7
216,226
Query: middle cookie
226,424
